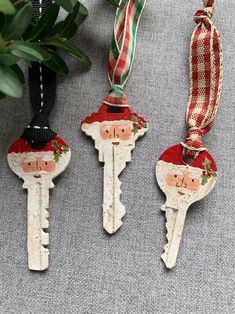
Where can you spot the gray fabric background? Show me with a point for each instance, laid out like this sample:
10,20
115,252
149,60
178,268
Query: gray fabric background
91,272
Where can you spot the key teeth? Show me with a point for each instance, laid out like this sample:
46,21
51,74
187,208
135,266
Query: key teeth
44,219
112,225
44,238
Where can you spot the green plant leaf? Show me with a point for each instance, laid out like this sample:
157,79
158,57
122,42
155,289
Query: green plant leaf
18,72
83,10
7,7
29,51
2,96
57,64
9,82
71,31
114,2
20,22
68,5
8,59
71,50
68,27
45,23
2,21
69,20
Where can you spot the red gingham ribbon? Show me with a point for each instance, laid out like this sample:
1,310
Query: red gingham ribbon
206,80
122,49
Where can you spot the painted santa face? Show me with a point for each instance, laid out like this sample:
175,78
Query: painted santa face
120,134
116,130
38,164
185,180
182,184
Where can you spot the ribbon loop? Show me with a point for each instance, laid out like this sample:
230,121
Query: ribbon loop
42,90
122,50
206,80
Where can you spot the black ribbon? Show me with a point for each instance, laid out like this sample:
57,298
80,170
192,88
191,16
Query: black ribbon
42,89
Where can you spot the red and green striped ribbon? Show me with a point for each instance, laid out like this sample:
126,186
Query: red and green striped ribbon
122,49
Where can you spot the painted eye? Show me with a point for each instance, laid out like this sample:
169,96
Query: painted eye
106,131
29,163
193,180
46,163
123,130
175,176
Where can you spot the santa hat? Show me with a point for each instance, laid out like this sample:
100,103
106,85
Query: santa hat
22,146
111,113
174,155
38,133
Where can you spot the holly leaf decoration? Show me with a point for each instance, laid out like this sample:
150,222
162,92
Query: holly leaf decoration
134,118
207,173
64,149
207,165
144,125
55,144
204,179
56,156
135,130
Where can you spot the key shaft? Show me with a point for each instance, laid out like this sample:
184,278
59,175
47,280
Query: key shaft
113,209
175,220
37,222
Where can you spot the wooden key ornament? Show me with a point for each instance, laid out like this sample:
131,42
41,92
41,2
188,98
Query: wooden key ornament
185,183
115,128
39,155
114,131
38,168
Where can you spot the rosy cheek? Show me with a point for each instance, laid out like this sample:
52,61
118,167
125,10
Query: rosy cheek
126,134
28,168
193,186
49,167
171,180
104,134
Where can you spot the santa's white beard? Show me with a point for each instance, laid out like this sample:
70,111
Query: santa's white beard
177,201
43,179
